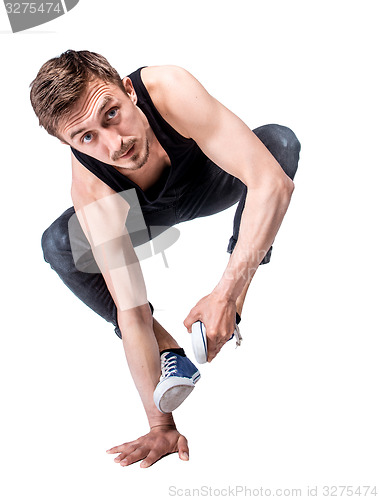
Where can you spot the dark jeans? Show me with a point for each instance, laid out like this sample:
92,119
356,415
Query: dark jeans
215,191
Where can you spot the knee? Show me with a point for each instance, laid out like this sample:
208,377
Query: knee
283,144
55,240
287,138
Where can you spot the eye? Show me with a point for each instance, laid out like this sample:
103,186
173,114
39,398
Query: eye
87,138
112,113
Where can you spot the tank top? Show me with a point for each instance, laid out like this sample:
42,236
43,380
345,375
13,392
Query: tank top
187,159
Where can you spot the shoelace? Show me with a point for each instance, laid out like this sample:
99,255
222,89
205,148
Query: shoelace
168,364
238,336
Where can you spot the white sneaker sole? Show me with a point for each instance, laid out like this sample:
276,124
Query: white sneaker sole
171,392
199,342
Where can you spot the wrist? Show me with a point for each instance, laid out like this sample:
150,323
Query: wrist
164,420
225,291
235,277
164,427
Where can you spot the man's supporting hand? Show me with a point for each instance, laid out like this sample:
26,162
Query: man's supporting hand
160,441
218,314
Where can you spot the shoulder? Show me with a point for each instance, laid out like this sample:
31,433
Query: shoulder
85,186
158,78
175,92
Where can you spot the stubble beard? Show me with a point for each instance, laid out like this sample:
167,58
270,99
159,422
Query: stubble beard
139,159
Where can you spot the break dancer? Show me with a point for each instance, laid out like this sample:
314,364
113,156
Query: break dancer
159,134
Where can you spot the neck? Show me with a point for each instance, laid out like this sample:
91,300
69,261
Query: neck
158,156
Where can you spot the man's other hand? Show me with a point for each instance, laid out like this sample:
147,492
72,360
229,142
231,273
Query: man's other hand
218,314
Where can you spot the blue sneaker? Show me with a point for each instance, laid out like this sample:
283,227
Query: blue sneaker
200,344
179,376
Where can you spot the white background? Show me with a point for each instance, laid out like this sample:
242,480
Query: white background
297,405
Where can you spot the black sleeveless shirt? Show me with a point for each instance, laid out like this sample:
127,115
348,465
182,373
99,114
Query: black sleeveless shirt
187,160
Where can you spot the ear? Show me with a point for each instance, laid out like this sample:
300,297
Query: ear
130,89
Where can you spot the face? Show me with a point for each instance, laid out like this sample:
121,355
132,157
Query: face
107,125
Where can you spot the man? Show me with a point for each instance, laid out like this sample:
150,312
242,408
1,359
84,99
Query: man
159,133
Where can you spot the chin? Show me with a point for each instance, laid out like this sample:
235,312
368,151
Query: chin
133,163
136,161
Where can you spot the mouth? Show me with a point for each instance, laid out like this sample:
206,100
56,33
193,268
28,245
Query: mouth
128,153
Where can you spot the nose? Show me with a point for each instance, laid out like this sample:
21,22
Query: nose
113,140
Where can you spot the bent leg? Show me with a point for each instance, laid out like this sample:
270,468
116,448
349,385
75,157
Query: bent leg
285,148
89,287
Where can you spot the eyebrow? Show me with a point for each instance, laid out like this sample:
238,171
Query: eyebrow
103,105
73,134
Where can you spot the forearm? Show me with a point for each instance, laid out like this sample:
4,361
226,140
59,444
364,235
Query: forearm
135,320
127,287
261,218
142,354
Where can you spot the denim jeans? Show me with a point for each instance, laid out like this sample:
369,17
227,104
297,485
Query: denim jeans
211,193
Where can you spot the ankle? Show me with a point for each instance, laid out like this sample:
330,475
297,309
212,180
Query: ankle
164,339
176,350
167,344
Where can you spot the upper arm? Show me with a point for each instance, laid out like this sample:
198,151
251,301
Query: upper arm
221,135
86,187
100,210
102,213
